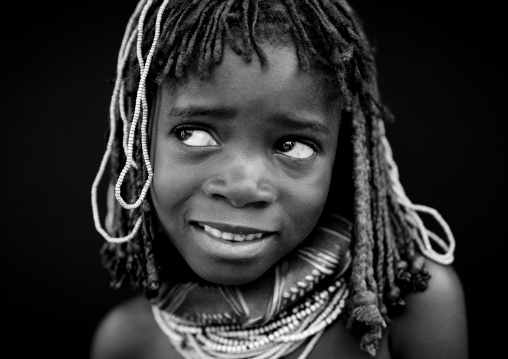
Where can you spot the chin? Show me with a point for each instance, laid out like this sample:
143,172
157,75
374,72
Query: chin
231,274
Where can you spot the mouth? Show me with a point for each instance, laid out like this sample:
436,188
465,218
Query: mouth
232,233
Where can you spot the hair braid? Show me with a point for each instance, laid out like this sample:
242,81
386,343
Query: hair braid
152,271
326,34
212,43
363,302
205,60
303,58
252,33
136,261
302,32
378,193
392,258
172,36
229,35
217,47
246,37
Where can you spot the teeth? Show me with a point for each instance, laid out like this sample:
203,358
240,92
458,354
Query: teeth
239,237
228,236
231,236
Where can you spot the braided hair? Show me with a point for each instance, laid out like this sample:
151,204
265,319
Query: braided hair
168,39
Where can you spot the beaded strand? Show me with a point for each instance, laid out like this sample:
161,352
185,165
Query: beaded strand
141,107
117,91
132,33
423,243
289,330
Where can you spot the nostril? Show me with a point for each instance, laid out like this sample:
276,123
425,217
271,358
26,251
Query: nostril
215,188
267,193
216,196
240,193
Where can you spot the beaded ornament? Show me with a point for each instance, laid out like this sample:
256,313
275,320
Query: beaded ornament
270,318
134,34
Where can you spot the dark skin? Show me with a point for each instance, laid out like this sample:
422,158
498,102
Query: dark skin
249,150
432,324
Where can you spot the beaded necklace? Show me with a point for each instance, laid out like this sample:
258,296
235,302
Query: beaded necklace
291,305
279,337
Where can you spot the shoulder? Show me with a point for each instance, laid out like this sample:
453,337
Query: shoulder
126,331
433,323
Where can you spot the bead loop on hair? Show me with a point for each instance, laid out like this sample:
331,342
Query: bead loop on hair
141,107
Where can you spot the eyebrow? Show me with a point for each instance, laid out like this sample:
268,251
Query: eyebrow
197,111
294,122
302,124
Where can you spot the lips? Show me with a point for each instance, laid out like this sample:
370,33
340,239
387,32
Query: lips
232,233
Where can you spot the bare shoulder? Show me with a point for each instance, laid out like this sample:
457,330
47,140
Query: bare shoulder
433,324
129,331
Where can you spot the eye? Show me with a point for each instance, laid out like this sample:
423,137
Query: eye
195,137
295,149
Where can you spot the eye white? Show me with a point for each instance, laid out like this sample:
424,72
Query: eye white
197,138
296,149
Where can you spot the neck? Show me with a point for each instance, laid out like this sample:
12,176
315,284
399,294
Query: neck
319,261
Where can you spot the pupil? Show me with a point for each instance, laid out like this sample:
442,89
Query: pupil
185,134
288,146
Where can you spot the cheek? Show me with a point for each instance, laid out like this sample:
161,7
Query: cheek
173,183
305,200
312,190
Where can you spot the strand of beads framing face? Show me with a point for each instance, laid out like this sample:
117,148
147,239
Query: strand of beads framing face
117,99
141,108
279,337
424,243
127,41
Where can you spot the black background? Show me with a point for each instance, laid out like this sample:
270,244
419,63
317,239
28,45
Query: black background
441,73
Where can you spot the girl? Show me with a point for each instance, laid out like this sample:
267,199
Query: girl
254,203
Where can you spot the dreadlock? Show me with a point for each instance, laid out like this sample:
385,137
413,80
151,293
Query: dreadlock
167,40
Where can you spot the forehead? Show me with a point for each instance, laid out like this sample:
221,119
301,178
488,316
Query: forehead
235,80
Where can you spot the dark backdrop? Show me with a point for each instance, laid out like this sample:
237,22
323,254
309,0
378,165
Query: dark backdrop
441,73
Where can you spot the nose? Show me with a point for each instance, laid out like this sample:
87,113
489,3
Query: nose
242,183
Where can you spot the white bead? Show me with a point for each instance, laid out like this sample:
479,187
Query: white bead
301,284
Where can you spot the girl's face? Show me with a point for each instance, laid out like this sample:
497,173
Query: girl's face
242,163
